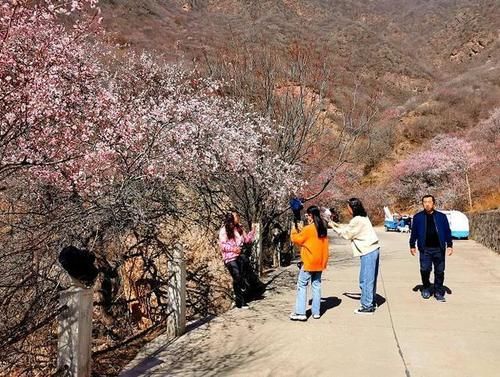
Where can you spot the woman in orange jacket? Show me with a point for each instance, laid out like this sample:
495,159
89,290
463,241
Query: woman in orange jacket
313,240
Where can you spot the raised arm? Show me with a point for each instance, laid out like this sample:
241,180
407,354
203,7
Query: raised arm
249,237
299,238
349,231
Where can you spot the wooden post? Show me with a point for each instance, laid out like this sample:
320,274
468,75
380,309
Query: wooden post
75,332
176,320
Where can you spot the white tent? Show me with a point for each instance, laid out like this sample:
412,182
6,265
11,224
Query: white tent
459,224
388,214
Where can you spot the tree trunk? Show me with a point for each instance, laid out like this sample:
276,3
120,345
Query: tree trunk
468,190
258,247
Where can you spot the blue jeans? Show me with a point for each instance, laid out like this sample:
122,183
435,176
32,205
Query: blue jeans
301,300
368,274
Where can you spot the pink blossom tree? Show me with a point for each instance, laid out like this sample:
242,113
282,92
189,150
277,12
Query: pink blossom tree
445,166
485,137
91,152
147,117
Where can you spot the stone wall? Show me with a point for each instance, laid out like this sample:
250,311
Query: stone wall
485,228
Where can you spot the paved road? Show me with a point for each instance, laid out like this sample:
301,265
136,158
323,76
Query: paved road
408,336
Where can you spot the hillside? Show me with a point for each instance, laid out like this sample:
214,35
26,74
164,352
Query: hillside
422,38
436,62
132,162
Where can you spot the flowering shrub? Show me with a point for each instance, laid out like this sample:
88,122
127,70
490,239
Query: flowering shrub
443,169
80,126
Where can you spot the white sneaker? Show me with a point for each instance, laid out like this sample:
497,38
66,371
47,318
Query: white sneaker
316,316
298,317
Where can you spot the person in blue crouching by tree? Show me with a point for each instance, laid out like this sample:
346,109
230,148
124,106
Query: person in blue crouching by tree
431,232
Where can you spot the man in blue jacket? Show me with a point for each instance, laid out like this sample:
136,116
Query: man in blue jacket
431,231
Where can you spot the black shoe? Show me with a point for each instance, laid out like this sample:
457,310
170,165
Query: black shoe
426,293
440,297
362,310
241,305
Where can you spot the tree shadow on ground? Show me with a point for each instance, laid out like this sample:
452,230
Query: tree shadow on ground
379,300
418,288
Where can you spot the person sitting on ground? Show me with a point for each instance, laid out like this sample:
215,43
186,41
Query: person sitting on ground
314,257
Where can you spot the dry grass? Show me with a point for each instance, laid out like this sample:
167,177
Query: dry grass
487,202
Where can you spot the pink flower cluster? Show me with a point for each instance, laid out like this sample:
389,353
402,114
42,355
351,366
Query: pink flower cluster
440,168
71,121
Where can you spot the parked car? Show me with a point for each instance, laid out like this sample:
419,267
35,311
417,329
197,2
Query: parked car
396,222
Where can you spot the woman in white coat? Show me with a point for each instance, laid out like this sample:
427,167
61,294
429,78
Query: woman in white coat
365,244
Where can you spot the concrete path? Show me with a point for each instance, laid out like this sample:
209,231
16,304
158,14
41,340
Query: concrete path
407,336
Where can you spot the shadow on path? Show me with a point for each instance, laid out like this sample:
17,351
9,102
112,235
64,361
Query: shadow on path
379,300
153,360
418,288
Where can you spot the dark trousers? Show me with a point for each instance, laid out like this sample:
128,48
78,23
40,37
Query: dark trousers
236,272
241,273
246,283
428,258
